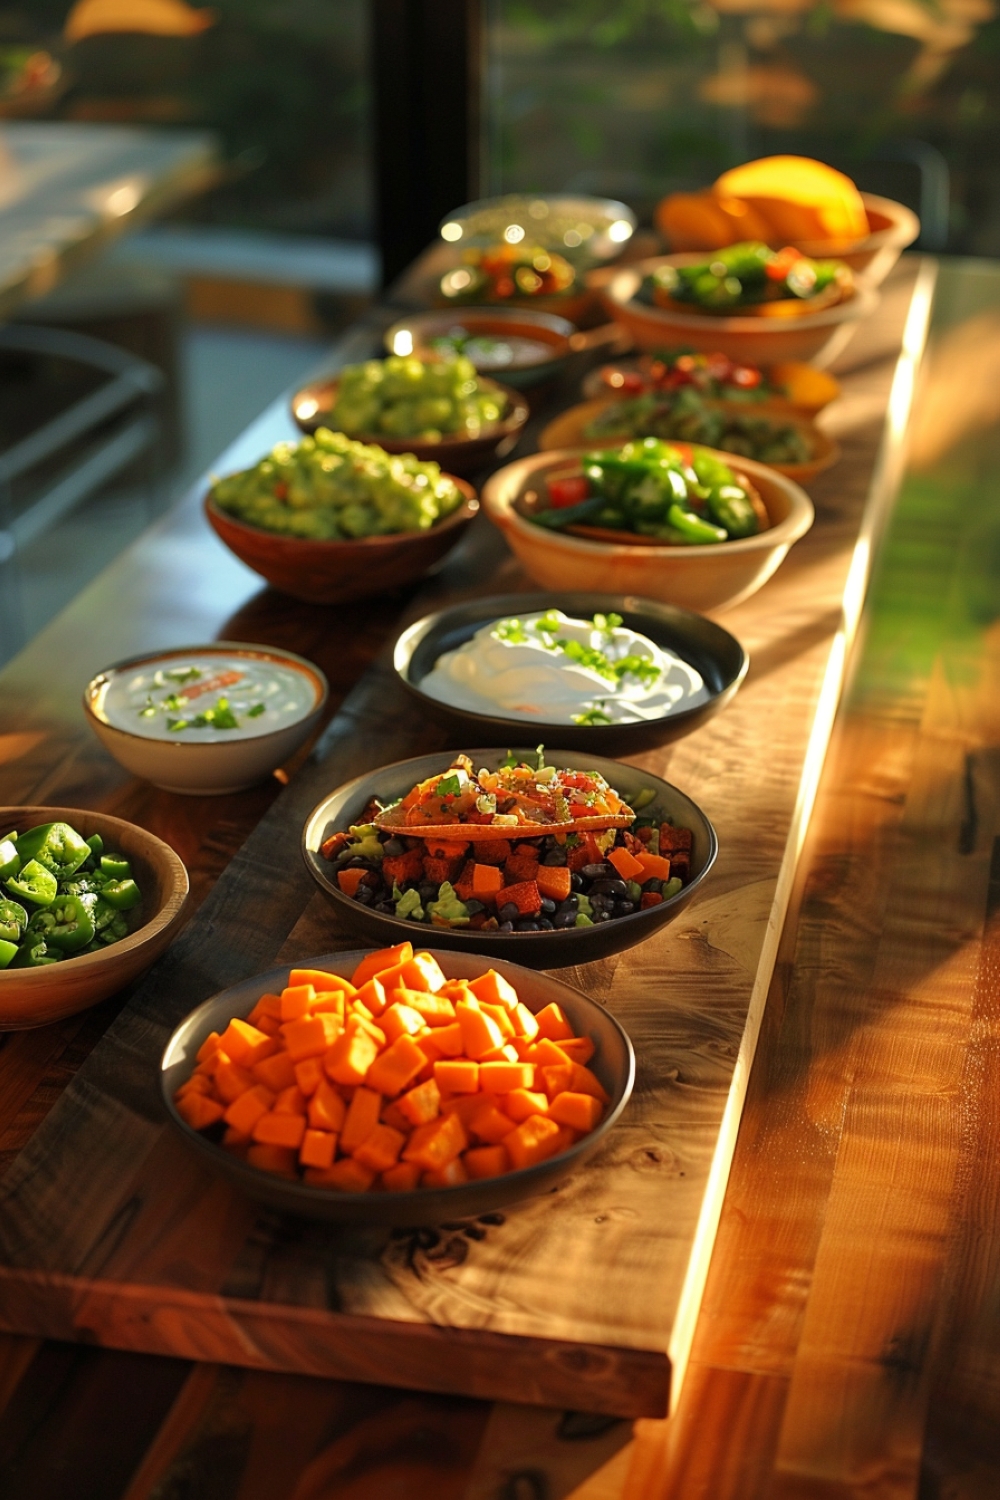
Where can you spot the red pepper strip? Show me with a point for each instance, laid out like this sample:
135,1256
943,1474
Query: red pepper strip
224,679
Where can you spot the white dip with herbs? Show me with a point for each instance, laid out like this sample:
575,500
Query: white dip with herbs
564,671
206,698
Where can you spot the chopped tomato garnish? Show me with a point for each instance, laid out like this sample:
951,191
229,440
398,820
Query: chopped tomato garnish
746,377
570,491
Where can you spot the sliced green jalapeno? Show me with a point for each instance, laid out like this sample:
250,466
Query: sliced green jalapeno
34,883
122,894
13,921
115,866
33,957
8,952
72,925
56,846
10,860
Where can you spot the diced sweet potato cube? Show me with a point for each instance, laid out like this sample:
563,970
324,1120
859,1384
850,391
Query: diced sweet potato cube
309,1075
486,881
556,1078
521,865
200,1083
290,1101
396,1067
463,881
362,1118
465,1106
404,1177
501,1015
278,1159
524,894
198,1110
318,1148
502,1077
245,1111
434,1145
231,1081
209,1046
326,1110
489,1124
381,1149
653,867
235,1140
549,1054
494,989
579,1111
446,1040
521,1104
320,979
555,881
534,1140
506,1053
674,839
567,1137
421,1104
480,1033
579,1049
351,878
275,1073
384,958
297,1001
579,856
357,1021
450,1176
372,996
438,868
350,1057
457,1075
524,1022
310,1036
330,1003
485,1161
423,972
586,1082
268,1025
239,1041
436,1010
628,867
402,870
400,1020
267,1005
346,1176
391,1114
552,1023
273,1129
447,848
492,851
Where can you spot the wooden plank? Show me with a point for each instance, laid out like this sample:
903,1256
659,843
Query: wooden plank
512,1298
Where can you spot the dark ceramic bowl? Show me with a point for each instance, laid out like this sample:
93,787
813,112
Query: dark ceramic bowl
312,405
716,654
614,1064
539,950
416,335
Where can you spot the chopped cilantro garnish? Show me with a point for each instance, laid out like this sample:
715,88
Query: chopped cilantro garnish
448,786
593,716
256,711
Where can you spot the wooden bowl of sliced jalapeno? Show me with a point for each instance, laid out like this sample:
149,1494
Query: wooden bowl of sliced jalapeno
87,902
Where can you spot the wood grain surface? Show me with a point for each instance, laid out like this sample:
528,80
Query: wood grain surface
110,1232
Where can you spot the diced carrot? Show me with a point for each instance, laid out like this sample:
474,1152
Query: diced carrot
586,1082
245,1111
231,1081
456,1075
579,1111
450,1176
362,1117
458,989
273,1129
346,1175
391,1114
489,1124
654,867
501,1015
555,1079
447,1040
381,1149
330,1003
524,1022
239,1041
384,958
436,1010
357,1022
235,1140
521,1104
290,1101
309,1075
209,1046
321,980
350,1057
506,1053
534,1140
269,1005
465,1106
372,996
648,899
502,1077
423,972
399,1020
350,879
198,1110
311,1036
552,1022
276,1073
628,867
200,1083
297,1001
567,1137
485,1161
326,1110
524,894
549,1054
278,1159
480,1033
396,1067
318,1148
555,881
579,1049
421,1104
434,1145
268,1025
486,881
404,1177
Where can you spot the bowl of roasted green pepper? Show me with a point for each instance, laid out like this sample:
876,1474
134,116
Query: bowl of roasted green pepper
678,523
87,902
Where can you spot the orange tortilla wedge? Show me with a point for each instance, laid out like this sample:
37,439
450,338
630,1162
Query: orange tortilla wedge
393,821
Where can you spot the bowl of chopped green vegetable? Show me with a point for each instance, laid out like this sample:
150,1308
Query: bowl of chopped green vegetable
679,524
87,902
329,519
438,409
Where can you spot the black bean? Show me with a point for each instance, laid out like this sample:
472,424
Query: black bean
506,927
555,857
616,888
427,890
548,906
544,925
571,903
394,848
364,894
576,881
386,908
564,919
624,908
509,912
603,871
472,907
359,862
526,926
656,886
601,915
599,900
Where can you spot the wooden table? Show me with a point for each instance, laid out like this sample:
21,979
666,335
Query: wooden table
825,1386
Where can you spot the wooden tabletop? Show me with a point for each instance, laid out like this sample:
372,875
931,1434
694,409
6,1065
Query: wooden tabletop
845,1344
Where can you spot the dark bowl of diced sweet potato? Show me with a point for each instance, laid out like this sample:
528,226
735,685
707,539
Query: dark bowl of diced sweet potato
521,873
440,1086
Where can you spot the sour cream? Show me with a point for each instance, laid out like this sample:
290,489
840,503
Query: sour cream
519,669
206,697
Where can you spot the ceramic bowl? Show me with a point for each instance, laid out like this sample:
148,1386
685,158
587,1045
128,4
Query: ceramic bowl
312,405
812,337
568,430
35,997
212,768
716,654
698,578
614,1064
892,227
554,222
415,335
540,950
322,572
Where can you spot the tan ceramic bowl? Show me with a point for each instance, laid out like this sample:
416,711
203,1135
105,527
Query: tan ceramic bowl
815,338
335,572
34,997
696,578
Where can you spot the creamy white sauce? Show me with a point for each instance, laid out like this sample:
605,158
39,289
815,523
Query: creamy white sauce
501,351
490,674
265,696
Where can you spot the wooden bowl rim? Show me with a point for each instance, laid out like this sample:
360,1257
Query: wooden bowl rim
517,414
502,488
173,902
465,512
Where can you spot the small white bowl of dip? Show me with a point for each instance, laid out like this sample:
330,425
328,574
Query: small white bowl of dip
206,720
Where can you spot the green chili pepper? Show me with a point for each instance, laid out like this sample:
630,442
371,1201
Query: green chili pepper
115,930
10,860
96,845
692,528
33,957
13,921
102,913
56,846
115,866
730,507
34,883
566,515
122,894
85,883
8,951
72,926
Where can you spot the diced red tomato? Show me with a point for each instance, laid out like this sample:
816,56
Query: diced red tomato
784,260
719,366
569,491
746,377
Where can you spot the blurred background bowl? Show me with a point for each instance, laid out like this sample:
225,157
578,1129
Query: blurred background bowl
416,335
587,231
